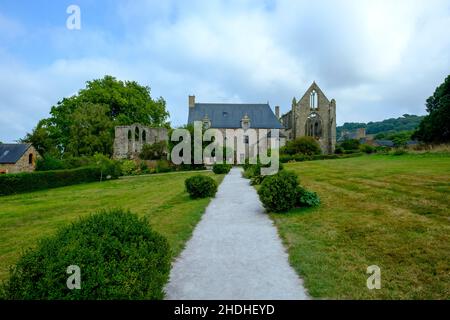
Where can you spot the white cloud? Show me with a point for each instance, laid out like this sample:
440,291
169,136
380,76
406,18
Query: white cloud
378,59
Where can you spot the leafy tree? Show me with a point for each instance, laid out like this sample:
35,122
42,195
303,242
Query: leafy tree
435,127
72,130
90,131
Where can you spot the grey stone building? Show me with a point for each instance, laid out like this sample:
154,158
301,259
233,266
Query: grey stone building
313,115
129,140
231,117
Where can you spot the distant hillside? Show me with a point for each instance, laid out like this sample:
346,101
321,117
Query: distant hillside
405,123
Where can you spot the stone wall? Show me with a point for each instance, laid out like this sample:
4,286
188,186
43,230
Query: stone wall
129,140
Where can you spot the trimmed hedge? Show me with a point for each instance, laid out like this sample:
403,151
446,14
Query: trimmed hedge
200,186
300,157
32,181
221,168
278,193
119,256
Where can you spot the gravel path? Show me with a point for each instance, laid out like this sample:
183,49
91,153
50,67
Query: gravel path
235,252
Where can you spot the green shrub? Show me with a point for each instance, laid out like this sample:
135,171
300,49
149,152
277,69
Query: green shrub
163,166
47,163
278,193
201,186
366,148
155,151
119,256
129,167
339,150
307,198
351,144
221,168
31,181
303,145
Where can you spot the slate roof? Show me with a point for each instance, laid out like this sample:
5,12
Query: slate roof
384,143
12,152
229,115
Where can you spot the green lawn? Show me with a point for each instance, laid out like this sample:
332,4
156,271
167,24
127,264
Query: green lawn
390,211
25,218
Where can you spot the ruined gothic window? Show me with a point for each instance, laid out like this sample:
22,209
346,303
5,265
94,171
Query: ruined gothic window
129,134
313,126
144,136
313,100
136,134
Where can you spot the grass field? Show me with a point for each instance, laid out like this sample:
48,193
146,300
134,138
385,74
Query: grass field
28,217
390,211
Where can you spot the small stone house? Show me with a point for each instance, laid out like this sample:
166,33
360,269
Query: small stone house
17,157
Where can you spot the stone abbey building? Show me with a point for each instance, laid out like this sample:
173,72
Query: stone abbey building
313,115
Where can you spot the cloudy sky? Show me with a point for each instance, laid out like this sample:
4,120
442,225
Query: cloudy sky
378,59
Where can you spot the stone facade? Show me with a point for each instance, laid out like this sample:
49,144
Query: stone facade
129,140
313,115
26,163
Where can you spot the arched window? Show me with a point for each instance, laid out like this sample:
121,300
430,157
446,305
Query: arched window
129,134
30,158
313,127
136,134
313,100
144,136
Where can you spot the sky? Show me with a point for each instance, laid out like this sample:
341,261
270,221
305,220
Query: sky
377,59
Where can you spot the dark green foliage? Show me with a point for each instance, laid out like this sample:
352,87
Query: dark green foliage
155,151
350,145
303,145
201,186
221,168
49,162
435,127
366,148
278,193
339,150
405,123
307,198
39,180
119,255
163,166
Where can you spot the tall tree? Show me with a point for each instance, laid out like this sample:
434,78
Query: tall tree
72,130
435,127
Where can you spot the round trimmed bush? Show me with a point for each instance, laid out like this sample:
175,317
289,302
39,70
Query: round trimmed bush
201,186
278,193
307,198
221,168
119,256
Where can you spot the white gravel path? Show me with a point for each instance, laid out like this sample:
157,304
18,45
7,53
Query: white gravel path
235,252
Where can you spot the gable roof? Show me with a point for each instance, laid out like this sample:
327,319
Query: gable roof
229,115
12,152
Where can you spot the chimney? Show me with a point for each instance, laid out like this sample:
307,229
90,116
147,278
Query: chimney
277,112
191,101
